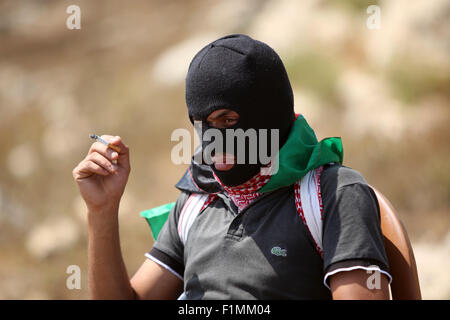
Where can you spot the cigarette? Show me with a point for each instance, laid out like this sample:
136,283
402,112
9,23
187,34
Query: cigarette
106,143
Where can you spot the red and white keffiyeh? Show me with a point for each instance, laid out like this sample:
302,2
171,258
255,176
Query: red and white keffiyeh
245,193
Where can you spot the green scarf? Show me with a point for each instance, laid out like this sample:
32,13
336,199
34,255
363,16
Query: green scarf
301,153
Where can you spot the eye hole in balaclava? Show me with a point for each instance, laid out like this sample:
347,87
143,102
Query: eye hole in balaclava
218,139
248,77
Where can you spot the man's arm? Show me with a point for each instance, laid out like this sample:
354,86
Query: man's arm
353,285
101,183
108,277
352,237
154,282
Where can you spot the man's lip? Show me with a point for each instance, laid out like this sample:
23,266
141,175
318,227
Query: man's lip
223,162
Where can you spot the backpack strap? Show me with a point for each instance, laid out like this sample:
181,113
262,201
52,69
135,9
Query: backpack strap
194,205
308,201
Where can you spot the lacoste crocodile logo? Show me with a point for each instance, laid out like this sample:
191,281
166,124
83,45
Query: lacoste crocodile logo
277,251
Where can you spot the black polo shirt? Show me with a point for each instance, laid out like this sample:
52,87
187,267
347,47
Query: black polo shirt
265,251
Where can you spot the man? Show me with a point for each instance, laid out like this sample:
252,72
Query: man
236,231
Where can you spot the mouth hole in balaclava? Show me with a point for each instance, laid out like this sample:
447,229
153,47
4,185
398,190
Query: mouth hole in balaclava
231,149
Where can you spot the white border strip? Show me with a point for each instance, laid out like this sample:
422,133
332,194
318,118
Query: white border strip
354,268
309,198
162,264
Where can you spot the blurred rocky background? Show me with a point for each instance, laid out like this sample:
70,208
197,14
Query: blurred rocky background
384,91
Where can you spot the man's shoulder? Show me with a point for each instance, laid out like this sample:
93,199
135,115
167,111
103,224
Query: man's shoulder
337,176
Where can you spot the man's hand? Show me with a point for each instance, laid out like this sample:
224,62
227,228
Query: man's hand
101,182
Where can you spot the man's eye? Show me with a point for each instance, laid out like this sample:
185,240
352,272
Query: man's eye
222,123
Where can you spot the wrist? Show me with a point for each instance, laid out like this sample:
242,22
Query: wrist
103,214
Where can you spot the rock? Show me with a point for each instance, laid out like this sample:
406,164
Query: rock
433,264
290,26
369,107
22,160
12,212
230,16
52,237
418,30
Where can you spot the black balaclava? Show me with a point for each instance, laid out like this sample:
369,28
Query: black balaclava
239,73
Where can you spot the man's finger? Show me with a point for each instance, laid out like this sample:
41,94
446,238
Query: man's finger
102,161
87,168
117,141
103,150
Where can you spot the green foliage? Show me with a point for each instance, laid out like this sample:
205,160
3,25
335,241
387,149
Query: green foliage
314,72
355,5
410,82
